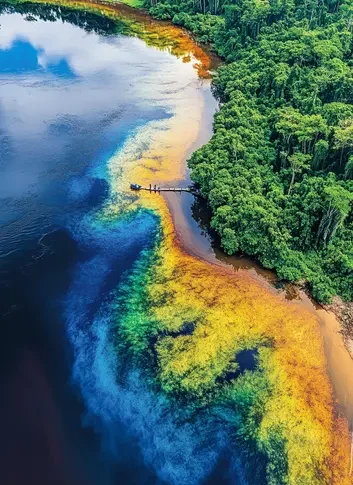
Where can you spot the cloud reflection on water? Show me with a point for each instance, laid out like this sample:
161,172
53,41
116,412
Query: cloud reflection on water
68,105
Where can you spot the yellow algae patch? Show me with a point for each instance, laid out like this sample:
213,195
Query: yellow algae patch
232,312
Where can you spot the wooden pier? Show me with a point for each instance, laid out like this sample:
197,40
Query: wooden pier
156,189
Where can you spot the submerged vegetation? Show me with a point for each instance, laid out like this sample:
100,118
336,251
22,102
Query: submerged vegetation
185,324
278,172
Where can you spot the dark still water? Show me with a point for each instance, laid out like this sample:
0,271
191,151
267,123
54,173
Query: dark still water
73,98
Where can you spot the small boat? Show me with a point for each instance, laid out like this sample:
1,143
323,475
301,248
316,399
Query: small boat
135,187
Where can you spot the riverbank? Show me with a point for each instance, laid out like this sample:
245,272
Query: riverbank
344,313
269,215
341,309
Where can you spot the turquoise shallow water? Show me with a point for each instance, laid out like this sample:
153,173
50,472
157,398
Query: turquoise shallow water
71,99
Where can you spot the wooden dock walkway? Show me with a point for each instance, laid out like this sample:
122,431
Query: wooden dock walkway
155,188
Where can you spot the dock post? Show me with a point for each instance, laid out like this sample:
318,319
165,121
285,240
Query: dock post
150,187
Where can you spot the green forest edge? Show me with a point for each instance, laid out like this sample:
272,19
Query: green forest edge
278,170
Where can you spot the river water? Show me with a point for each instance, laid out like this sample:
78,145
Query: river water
83,109
71,98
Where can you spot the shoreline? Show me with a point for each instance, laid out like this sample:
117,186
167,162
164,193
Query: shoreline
339,361
342,310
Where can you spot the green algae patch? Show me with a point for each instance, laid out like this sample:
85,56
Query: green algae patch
130,3
136,329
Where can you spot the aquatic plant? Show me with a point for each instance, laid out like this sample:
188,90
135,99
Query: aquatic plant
283,409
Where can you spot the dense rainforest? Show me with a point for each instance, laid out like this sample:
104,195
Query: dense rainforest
278,172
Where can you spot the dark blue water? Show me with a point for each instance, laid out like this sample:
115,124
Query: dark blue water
72,99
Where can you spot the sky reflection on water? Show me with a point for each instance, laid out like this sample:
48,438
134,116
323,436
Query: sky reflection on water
66,105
